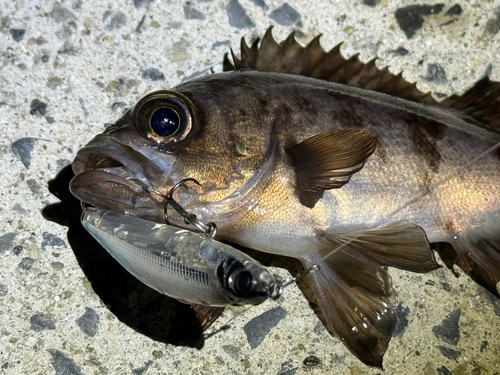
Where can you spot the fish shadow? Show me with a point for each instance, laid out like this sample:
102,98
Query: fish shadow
148,312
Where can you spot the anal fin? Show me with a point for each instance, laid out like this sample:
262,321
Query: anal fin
479,252
328,160
353,287
206,315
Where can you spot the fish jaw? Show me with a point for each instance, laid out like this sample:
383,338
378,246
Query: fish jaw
112,175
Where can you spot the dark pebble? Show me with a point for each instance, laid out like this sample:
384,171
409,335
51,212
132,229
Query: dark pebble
17,34
258,328
116,22
443,371
237,16
484,344
449,353
436,74
50,239
42,322
401,322
6,241
153,74
63,364
192,14
142,370
410,18
26,263
18,250
370,3
449,331
455,10
260,4
38,108
4,290
89,322
311,361
34,186
141,3
287,369
285,15
400,51
118,106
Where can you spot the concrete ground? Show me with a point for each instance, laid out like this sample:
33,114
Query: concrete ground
68,68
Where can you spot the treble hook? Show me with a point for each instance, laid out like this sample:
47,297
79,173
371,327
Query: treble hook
208,229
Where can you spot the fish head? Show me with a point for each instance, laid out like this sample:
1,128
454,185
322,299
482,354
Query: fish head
194,132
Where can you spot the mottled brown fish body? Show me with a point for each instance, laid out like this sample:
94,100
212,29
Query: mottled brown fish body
305,154
418,155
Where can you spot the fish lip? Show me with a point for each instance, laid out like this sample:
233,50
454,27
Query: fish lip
106,164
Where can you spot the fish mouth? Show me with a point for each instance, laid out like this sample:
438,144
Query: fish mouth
112,176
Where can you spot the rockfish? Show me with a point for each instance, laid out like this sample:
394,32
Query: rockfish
305,154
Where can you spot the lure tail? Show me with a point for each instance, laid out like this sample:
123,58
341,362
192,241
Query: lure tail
353,287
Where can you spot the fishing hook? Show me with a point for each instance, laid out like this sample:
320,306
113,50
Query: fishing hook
208,229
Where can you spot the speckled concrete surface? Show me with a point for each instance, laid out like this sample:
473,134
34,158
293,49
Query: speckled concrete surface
67,68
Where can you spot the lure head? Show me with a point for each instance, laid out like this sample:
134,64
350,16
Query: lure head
247,282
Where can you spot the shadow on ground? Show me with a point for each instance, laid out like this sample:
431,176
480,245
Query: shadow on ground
153,314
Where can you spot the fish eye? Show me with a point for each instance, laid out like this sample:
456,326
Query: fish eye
242,282
165,117
165,122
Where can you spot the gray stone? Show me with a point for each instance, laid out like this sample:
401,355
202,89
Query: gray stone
89,322
436,74
260,3
258,328
237,16
153,74
287,369
117,21
38,108
6,242
449,331
34,186
4,290
26,263
63,364
51,240
410,18
17,34
285,15
401,322
448,352
61,14
22,148
64,33
192,14
42,322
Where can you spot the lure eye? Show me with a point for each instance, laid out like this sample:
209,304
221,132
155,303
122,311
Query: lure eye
165,117
243,282
165,122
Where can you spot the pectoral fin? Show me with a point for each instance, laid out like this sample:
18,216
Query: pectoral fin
353,288
328,160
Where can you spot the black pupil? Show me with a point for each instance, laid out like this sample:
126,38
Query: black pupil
242,282
165,122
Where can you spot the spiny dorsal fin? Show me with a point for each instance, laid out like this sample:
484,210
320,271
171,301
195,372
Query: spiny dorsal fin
479,105
312,61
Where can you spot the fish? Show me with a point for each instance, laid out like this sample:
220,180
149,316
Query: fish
302,153
180,263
